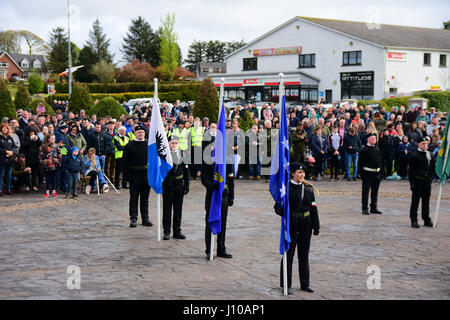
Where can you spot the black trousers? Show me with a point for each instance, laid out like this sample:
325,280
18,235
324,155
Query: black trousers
422,190
119,170
221,248
173,198
370,182
299,157
403,167
334,165
139,192
300,231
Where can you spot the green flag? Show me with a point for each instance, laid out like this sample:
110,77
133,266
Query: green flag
442,162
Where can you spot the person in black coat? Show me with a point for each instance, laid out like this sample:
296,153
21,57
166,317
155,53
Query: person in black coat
208,182
370,163
421,172
351,145
7,151
319,148
304,218
31,148
175,187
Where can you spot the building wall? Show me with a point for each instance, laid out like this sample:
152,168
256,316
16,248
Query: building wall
12,69
328,47
411,75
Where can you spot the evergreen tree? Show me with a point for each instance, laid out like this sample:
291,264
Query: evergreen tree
58,60
22,99
87,59
141,43
35,83
7,108
98,43
80,98
207,102
446,25
196,55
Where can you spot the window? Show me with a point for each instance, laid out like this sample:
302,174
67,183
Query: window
37,64
357,85
309,93
352,58
4,64
307,61
443,60
250,64
24,63
427,59
216,70
205,70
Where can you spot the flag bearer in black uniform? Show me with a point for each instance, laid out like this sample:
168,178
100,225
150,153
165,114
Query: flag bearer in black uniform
134,160
207,178
304,218
175,187
370,164
421,171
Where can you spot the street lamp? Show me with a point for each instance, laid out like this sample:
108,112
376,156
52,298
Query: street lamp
70,55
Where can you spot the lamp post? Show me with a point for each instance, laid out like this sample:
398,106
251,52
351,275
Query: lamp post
70,54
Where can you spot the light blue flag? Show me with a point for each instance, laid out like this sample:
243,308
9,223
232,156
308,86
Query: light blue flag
220,160
159,156
279,178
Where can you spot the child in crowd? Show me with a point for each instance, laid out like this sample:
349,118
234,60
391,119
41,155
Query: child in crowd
73,165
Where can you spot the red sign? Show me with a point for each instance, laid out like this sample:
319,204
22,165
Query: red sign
251,81
277,51
397,56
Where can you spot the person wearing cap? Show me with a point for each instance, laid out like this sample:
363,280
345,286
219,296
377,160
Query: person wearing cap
182,134
423,116
421,172
120,141
197,132
135,155
303,222
369,167
73,165
300,141
175,187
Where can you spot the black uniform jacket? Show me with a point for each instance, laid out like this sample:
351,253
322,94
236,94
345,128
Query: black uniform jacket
208,182
421,167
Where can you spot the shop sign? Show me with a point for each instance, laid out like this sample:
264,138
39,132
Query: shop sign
396,56
277,51
251,81
357,76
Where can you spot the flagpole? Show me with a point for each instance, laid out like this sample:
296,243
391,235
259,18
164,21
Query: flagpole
438,204
158,196
222,85
285,282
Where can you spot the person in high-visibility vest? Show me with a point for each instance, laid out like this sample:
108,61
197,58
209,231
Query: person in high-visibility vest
120,141
182,133
197,133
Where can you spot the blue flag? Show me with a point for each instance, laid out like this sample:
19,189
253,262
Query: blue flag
220,160
279,177
159,156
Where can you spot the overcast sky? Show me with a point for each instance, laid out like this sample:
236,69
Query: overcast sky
224,20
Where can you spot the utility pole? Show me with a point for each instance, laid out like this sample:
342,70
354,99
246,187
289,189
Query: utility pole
70,54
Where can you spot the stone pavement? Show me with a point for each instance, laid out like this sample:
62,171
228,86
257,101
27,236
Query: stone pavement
40,238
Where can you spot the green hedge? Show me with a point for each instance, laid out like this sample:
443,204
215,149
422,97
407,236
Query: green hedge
438,100
108,107
121,97
366,102
190,89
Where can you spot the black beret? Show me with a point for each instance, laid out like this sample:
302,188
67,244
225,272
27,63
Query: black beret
423,139
370,134
137,128
297,166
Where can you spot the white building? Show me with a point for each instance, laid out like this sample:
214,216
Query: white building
334,60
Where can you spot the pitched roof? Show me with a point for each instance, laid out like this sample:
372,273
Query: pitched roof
390,35
12,59
18,57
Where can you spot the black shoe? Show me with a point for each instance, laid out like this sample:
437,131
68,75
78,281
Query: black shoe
348,179
166,236
179,236
147,223
366,212
125,187
354,179
428,224
117,187
67,195
133,223
336,178
75,195
225,255
414,224
375,210
307,289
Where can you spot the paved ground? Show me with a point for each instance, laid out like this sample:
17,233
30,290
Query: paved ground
40,238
